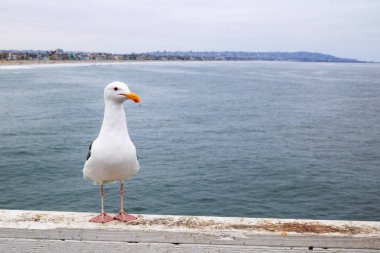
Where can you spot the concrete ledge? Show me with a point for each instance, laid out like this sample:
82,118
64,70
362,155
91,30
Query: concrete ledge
41,231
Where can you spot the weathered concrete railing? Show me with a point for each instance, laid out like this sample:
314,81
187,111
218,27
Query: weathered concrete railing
41,231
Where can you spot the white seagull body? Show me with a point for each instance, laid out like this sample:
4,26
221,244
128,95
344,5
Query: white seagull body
112,155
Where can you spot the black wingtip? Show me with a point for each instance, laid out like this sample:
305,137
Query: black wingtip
89,151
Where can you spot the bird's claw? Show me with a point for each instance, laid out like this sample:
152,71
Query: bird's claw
102,218
125,217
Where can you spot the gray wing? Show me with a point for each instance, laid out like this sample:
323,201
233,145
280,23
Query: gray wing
89,151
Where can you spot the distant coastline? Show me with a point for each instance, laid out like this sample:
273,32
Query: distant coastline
42,62
10,57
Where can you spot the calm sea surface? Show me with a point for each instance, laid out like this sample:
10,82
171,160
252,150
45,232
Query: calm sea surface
256,139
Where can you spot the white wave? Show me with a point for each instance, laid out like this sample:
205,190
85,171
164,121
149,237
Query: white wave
59,65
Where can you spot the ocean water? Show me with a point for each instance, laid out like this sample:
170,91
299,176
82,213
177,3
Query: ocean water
254,139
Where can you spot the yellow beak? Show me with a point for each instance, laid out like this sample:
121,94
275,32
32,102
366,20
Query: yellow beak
132,96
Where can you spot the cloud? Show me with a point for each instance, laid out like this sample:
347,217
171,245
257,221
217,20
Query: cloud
346,28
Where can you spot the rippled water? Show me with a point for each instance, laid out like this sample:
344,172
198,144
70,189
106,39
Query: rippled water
256,139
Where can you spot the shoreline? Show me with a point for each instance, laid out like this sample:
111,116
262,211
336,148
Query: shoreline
32,62
53,62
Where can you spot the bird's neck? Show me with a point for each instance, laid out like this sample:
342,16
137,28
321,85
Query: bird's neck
114,120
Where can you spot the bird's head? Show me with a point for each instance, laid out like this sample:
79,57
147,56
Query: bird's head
119,92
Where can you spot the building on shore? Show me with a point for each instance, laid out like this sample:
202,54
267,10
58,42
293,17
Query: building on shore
61,55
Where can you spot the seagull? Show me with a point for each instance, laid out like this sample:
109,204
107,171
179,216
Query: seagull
112,155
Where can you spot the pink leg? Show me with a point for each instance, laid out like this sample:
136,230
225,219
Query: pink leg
123,216
102,217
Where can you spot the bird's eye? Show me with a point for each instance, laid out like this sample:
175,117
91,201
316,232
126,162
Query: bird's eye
116,88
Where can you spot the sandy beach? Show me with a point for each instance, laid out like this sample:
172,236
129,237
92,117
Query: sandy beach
55,62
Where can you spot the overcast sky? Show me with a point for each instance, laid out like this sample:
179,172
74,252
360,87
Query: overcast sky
345,28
